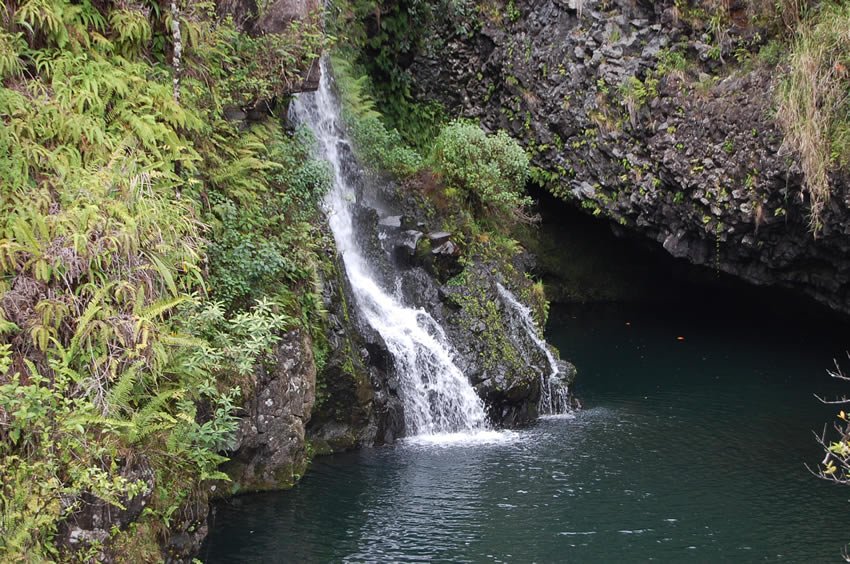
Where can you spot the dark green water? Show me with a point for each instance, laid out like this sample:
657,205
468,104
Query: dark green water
687,450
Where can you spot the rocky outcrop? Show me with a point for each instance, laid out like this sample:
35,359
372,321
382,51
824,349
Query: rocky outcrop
359,404
278,17
504,364
94,520
430,269
270,448
636,113
256,17
426,266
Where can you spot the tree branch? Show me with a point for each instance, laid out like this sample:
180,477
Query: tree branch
176,60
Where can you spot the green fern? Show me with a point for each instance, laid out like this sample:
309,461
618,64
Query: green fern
131,31
46,17
10,47
105,179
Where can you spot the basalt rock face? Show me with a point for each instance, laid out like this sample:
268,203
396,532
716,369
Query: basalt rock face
500,359
359,404
93,522
695,162
270,448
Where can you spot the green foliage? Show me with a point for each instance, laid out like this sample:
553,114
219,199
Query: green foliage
671,62
50,450
635,93
488,172
772,53
231,345
513,12
813,107
112,357
265,67
10,59
377,146
133,31
263,233
399,30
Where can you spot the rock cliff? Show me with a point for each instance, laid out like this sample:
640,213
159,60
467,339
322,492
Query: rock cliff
270,450
638,114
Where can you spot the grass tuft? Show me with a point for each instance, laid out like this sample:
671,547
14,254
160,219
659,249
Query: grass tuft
813,105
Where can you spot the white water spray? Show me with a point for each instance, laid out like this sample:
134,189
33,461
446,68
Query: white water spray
554,394
437,397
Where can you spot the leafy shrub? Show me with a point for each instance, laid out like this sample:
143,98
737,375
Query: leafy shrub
488,172
263,233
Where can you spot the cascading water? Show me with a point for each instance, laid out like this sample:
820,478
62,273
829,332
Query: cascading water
554,394
437,397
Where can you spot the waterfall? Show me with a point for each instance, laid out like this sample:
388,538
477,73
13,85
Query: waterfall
436,396
554,394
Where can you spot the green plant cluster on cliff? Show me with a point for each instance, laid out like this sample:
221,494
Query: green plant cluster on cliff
378,145
474,181
382,37
814,109
487,172
123,208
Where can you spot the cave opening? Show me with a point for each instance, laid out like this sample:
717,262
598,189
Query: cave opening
592,262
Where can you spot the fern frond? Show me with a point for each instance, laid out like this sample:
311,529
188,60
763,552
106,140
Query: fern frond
119,397
11,46
162,306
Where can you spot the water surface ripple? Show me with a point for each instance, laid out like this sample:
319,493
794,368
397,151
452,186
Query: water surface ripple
687,451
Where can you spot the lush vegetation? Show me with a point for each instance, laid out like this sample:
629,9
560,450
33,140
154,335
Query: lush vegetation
814,108
151,253
381,35
465,168
378,145
487,172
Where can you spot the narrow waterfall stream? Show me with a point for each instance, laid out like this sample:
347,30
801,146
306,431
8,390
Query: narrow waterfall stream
438,398
554,394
